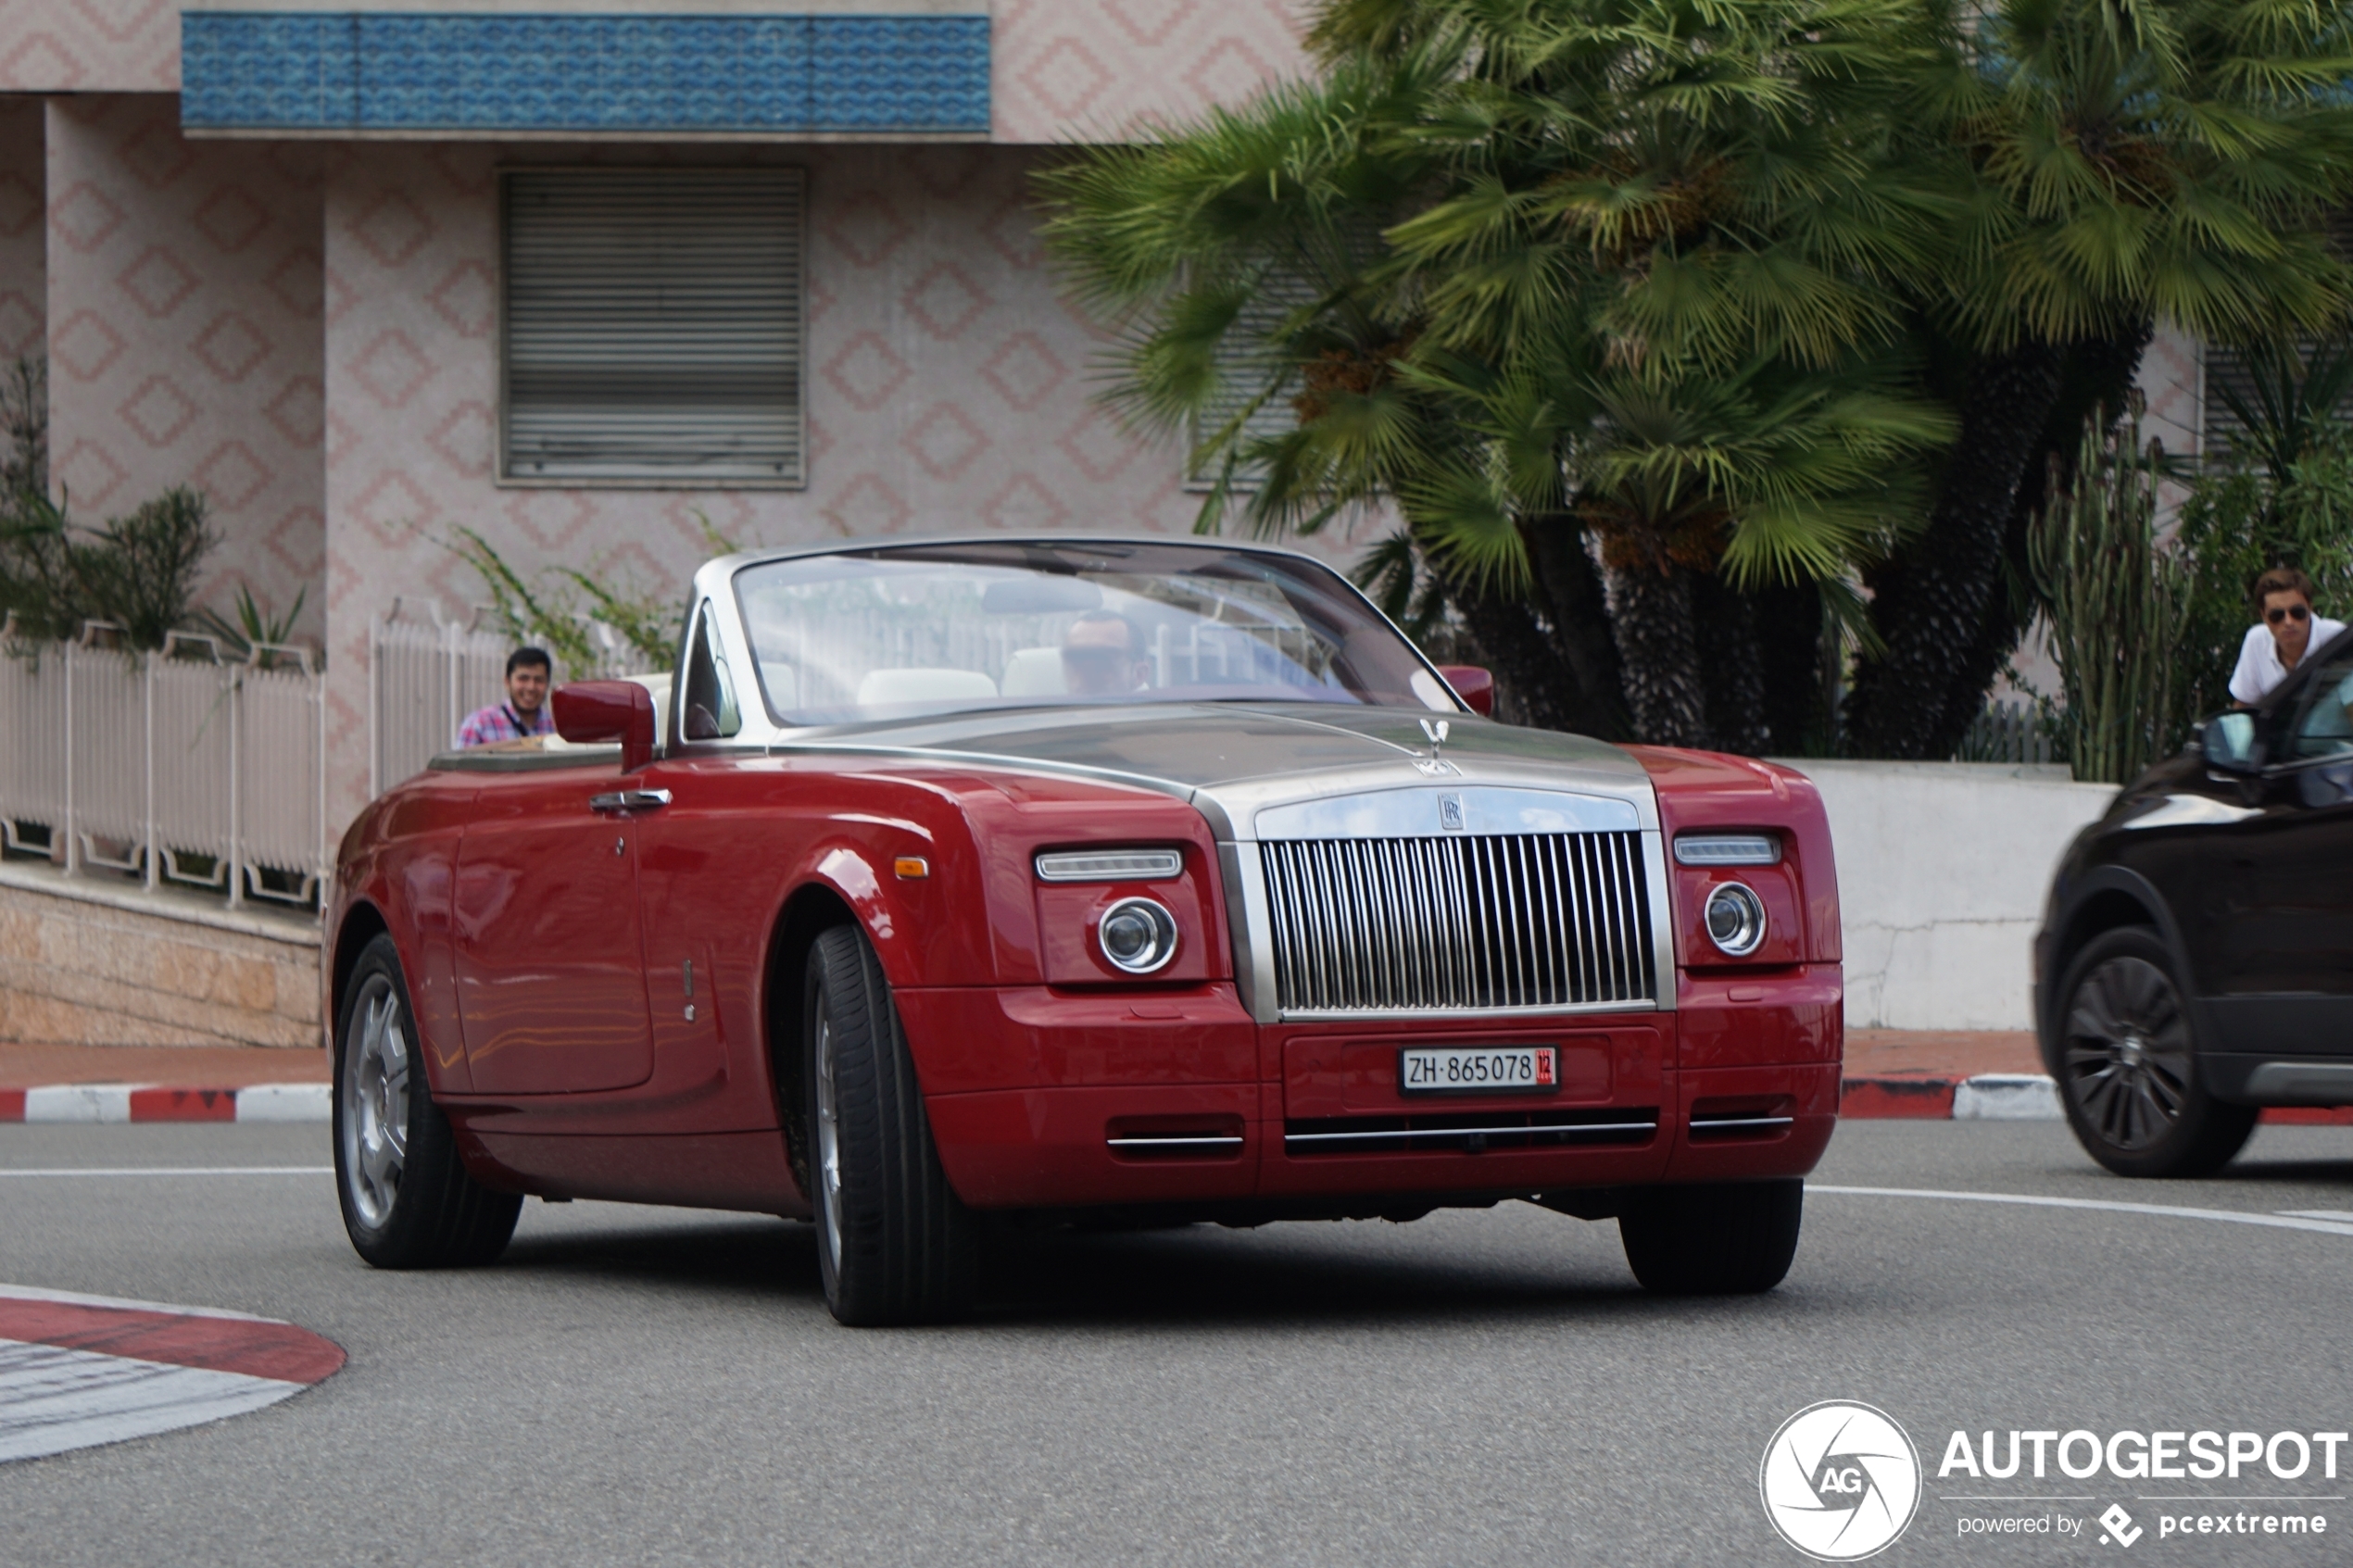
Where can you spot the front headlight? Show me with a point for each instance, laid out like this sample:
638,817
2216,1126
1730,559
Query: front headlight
1735,919
1137,935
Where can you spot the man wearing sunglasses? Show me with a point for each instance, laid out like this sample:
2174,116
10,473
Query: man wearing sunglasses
2288,631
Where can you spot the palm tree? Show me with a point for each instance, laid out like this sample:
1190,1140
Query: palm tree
2126,161
1566,280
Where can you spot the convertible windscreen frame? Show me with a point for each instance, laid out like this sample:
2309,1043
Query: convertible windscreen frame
888,633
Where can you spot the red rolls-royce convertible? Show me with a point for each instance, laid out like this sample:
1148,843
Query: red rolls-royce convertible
964,883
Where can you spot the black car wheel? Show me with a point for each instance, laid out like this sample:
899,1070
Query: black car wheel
2128,1064
408,1202
895,1245
1729,1239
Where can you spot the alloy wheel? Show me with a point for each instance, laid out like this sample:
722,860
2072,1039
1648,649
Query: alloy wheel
375,1104
2128,1052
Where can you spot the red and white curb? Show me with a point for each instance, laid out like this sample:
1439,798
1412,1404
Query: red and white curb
134,1103
2003,1096
79,1371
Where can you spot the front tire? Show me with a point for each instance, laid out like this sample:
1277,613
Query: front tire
408,1202
895,1245
2127,1064
1731,1238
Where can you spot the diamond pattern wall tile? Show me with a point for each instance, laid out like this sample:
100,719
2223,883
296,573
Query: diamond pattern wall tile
945,441
158,412
867,229
392,368
176,358
85,217
299,412
868,507
89,474
1095,70
298,281
1025,371
944,300
230,475
464,299
1023,503
231,218
159,282
231,347
85,346
867,371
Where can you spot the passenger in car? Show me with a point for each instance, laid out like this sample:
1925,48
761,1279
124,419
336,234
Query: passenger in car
1104,656
525,712
2277,643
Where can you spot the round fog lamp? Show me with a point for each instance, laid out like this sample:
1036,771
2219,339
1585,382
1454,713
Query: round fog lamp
1735,920
1137,935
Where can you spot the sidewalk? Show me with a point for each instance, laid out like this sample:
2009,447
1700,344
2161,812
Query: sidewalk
1890,1074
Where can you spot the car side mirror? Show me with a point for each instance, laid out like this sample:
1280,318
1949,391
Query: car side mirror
596,713
1473,684
2228,740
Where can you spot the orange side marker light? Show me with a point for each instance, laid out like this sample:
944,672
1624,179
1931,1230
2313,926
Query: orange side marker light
912,868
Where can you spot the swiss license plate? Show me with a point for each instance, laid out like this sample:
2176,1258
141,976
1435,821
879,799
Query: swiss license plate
1477,1069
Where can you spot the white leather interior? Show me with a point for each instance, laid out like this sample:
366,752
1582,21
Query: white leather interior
885,688
1034,672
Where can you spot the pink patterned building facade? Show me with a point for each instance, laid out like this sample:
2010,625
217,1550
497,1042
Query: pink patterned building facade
248,274
303,324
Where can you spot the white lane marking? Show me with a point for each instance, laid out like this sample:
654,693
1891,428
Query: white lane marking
312,1103
174,1171
78,1102
2341,1216
2230,1216
53,1399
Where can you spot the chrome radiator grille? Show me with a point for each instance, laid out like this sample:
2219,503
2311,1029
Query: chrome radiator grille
1459,923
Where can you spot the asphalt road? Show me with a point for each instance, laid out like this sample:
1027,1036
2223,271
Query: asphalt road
636,1385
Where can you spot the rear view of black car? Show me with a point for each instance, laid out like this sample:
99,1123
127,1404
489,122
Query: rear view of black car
2195,959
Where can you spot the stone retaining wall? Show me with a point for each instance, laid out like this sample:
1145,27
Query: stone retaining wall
88,963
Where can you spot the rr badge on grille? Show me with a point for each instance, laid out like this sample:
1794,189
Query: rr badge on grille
1450,813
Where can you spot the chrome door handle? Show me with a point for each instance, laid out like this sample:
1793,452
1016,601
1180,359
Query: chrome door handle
629,800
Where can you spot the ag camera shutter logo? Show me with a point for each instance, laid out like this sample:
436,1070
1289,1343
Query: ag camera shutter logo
1840,1480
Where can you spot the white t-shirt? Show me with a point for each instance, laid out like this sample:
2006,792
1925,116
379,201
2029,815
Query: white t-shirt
2259,667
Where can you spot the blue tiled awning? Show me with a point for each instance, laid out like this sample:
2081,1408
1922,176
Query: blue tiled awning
404,73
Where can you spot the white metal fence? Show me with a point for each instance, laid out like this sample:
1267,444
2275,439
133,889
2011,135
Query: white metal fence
425,676
181,766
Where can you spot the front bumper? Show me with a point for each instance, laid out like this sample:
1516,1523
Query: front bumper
1040,1099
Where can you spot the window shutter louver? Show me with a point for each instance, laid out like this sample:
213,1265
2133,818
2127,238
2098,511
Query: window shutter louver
653,326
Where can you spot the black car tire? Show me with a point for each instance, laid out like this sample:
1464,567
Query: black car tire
408,1200
2126,1059
895,1245
1729,1239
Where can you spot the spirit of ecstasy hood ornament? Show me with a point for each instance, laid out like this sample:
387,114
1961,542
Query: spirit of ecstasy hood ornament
1436,730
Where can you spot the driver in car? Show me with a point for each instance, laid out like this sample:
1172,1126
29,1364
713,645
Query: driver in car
1104,656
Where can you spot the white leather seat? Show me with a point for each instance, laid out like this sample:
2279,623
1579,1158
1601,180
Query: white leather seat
1034,672
896,688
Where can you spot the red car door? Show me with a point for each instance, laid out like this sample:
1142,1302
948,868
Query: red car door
551,966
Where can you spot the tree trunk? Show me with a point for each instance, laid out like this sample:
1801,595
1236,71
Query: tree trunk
2098,373
1789,642
1731,665
1521,657
1577,611
1930,602
1660,655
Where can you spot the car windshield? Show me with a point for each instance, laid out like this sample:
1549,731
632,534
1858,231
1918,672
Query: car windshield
893,633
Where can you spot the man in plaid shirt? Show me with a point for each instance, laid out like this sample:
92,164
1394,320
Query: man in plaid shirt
526,710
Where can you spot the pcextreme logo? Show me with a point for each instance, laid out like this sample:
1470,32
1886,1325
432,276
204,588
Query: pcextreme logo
1840,1480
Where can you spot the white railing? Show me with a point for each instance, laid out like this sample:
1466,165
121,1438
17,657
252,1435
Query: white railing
181,766
425,676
